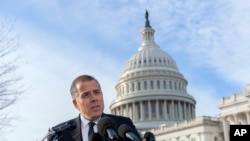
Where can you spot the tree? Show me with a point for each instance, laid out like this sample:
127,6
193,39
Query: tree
9,81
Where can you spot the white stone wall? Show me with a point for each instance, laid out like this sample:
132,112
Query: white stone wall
198,129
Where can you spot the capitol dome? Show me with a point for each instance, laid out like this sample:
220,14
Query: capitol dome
148,57
151,90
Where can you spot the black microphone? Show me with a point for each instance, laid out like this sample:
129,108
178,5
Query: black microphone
148,136
106,126
95,137
127,133
64,126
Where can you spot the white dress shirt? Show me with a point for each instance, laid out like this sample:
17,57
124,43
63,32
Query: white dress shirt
85,128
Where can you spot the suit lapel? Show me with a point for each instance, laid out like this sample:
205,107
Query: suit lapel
77,132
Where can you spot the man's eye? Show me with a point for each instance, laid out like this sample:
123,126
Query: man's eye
85,95
97,92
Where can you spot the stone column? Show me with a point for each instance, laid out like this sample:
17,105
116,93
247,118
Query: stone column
225,128
130,110
179,110
176,110
118,110
121,110
248,117
141,111
164,110
149,110
134,113
188,137
157,109
192,111
235,119
189,110
113,111
172,110
126,110
193,106
185,110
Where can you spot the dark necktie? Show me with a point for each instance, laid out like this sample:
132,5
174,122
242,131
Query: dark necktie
91,128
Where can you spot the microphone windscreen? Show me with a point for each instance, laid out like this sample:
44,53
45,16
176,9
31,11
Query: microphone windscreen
104,123
65,126
148,136
123,129
95,137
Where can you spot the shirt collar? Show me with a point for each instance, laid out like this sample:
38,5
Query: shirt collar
85,122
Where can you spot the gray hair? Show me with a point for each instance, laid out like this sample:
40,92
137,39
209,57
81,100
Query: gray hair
81,78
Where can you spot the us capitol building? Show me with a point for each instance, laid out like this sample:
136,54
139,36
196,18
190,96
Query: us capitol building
153,93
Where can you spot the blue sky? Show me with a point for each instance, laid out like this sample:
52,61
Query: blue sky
62,39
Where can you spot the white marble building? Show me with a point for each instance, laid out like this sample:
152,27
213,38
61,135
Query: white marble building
151,88
152,92
234,109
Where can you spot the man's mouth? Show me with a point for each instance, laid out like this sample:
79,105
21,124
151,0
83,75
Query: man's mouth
95,107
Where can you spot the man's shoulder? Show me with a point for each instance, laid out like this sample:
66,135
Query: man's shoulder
73,120
115,116
119,119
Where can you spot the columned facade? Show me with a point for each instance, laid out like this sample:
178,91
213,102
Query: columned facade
198,129
160,108
235,109
151,90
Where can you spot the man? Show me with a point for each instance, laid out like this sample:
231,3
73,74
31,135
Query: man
87,98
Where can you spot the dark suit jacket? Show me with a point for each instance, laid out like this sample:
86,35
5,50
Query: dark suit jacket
76,134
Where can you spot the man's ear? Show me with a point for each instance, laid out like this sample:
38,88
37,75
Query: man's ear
75,104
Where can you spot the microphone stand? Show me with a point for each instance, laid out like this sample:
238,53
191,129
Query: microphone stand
112,135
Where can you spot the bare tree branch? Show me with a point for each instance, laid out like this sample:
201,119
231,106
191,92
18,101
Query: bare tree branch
10,90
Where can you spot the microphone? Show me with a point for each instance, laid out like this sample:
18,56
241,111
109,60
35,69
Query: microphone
148,136
64,126
107,127
95,137
127,133
54,133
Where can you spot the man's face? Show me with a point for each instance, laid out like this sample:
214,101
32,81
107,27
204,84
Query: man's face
89,100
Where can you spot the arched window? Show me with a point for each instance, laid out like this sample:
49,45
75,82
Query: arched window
138,86
164,84
152,84
127,88
145,85
158,84
123,91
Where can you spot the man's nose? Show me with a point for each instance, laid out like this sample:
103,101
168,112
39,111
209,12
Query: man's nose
93,96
